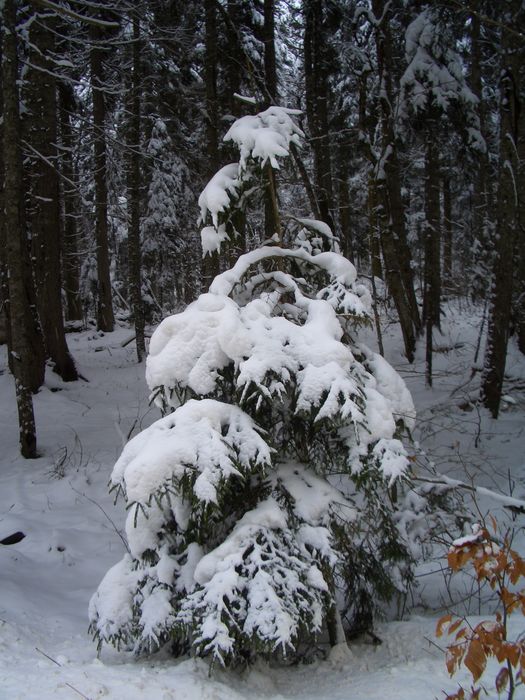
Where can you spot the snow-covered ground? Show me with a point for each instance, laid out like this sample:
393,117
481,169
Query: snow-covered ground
73,534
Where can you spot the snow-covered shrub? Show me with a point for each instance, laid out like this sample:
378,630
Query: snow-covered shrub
264,503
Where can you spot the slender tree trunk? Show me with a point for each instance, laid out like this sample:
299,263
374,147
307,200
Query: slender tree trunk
317,97
397,217
21,331
210,77
234,63
432,304
134,251
392,273
272,224
519,302
345,219
44,193
511,127
210,265
270,66
447,233
105,318
376,269
396,253
71,208
432,287
482,204
5,330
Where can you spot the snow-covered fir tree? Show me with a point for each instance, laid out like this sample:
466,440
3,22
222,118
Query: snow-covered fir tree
266,506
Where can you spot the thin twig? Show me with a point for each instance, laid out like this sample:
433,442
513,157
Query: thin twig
60,665
91,500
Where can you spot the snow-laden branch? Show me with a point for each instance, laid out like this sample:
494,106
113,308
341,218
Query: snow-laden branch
67,12
507,501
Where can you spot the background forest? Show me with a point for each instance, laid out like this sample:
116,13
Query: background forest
113,116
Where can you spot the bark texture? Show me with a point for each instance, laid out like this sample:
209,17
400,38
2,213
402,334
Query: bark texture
105,318
508,205
134,179
43,216
21,331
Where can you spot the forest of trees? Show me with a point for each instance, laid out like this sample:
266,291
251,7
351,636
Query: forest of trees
112,117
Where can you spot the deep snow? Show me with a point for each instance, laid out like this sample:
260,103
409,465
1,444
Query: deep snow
73,534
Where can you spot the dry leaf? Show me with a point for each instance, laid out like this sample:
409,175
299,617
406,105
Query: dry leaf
475,659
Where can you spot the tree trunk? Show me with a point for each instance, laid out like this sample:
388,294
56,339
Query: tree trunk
270,67
5,330
432,298
44,204
134,251
447,233
105,318
481,202
343,197
210,77
21,330
519,296
392,272
376,269
70,255
396,253
234,63
507,218
210,264
272,224
317,95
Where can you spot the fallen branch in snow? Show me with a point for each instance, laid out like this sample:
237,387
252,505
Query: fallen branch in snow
516,505
130,340
59,664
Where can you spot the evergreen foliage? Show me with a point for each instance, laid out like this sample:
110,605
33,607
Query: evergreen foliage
268,498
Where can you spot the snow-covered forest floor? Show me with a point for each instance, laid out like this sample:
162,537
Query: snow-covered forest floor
73,533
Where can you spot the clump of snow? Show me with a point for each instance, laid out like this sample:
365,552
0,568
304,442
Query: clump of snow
216,197
265,136
211,436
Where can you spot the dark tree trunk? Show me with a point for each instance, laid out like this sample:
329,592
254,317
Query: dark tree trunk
396,253
134,251
519,295
307,184
432,234
270,66
5,330
105,318
44,198
392,273
210,77
272,225
235,56
482,200
376,269
21,321
317,96
343,197
70,254
210,265
447,233
511,132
